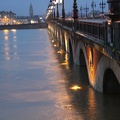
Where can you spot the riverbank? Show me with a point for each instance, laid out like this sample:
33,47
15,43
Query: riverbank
24,26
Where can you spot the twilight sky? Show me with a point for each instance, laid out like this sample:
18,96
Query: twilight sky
21,7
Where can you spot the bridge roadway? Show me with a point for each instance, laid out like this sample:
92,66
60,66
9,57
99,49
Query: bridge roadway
94,43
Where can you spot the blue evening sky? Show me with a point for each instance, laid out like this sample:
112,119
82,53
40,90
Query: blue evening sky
21,7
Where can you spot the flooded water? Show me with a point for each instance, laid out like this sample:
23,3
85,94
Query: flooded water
36,81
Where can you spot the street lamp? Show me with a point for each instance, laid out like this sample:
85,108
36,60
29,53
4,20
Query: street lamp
54,10
102,6
86,10
49,11
75,10
81,9
93,5
53,4
57,11
63,9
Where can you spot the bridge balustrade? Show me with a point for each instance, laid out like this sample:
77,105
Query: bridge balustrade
98,30
68,23
63,22
59,21
102,31
93,29
90,29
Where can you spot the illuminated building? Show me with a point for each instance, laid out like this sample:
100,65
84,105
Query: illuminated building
7,18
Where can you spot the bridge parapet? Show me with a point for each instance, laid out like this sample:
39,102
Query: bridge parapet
113,42
100,31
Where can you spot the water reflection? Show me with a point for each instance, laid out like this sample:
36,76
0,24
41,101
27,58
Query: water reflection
13,30
6,45
10,44
15,54
87,103
38,85
6,32
75,87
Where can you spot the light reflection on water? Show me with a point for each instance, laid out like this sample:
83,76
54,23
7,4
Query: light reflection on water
35,82
87,103
9,42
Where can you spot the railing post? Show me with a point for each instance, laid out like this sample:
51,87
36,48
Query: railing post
63,9
114,9
75,10
57,11
75,14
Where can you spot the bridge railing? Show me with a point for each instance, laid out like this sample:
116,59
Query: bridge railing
98,31
68,23
65,22
93,29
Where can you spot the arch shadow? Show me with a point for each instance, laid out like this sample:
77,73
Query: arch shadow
110,82
70,51
82,59
83,68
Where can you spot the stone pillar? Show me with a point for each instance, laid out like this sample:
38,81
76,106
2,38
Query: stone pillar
114,9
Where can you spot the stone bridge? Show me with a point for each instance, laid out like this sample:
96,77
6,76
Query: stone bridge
93,43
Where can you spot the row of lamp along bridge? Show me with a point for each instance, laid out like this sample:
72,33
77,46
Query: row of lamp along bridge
112,21
55,4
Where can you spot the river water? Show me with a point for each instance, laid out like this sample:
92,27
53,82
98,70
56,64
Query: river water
36,80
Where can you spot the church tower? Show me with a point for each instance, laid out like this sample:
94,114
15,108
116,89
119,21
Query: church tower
31,11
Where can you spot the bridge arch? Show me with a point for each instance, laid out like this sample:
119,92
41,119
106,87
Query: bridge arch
107,68
100,74
110,82
70,50
82,61
60,42
81,56
61,39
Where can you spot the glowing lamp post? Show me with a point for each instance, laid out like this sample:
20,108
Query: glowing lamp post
54,10
86,10
102,6
93,5
63,9
49,10
75,10
81,9
56,2
57,11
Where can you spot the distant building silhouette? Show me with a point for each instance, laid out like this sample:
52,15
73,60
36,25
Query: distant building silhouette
31,19
7,18
31,11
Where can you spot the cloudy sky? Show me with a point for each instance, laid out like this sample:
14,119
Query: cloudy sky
21,7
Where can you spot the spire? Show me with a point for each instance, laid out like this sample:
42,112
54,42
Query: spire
31,11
